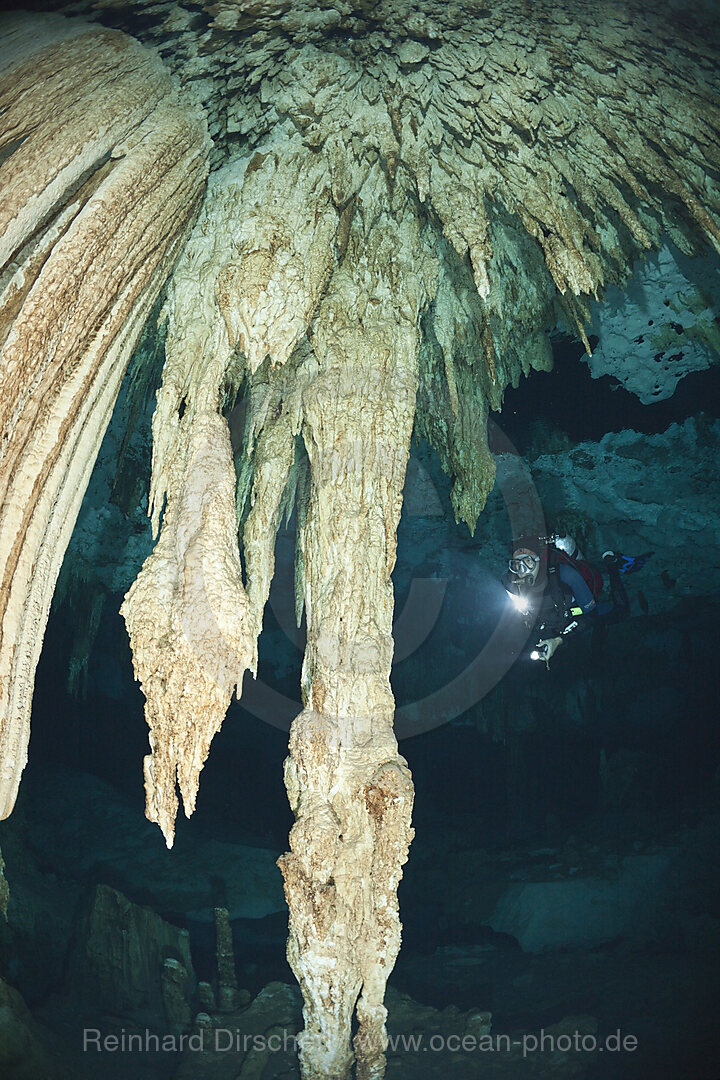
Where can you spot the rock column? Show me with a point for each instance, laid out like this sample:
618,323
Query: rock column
349,788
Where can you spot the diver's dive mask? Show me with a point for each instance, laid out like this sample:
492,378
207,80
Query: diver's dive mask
524,565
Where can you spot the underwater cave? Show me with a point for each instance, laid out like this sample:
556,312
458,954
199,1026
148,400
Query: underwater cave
360,426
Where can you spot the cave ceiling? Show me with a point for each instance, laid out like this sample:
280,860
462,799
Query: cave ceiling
549,149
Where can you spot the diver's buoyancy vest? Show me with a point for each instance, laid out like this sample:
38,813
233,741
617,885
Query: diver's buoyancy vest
591,576
556,601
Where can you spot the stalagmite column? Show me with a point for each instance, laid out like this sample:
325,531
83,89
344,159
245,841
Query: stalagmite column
104,169
350,790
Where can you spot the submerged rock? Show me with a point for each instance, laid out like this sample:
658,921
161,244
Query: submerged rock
586,911
119,965
27,1051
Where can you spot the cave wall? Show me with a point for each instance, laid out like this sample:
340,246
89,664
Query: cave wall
660,326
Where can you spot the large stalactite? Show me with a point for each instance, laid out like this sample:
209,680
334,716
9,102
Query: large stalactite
349,789
246,280
402,206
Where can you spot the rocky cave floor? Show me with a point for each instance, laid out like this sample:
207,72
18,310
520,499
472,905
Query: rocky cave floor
653,977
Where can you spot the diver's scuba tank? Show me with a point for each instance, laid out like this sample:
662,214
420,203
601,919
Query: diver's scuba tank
567,543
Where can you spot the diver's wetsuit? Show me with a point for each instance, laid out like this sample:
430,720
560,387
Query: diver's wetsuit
581,595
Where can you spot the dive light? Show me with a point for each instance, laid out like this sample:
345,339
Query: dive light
520,602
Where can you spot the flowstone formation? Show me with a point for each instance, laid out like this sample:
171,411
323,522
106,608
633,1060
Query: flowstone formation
405,199
103,165
193,625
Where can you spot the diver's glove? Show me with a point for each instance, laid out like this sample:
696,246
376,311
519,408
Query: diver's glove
545,649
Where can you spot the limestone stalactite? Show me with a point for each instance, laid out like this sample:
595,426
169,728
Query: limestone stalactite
247,280
103,169
350,790
321,295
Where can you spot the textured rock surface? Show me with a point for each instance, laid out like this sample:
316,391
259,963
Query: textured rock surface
635,493
255,1041
549,146
104,167
265,1034
25,1051
349,789
660,326
532,161
118,964
511,141
193,626
545,111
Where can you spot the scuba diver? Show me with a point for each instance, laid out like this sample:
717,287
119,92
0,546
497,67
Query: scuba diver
557,590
